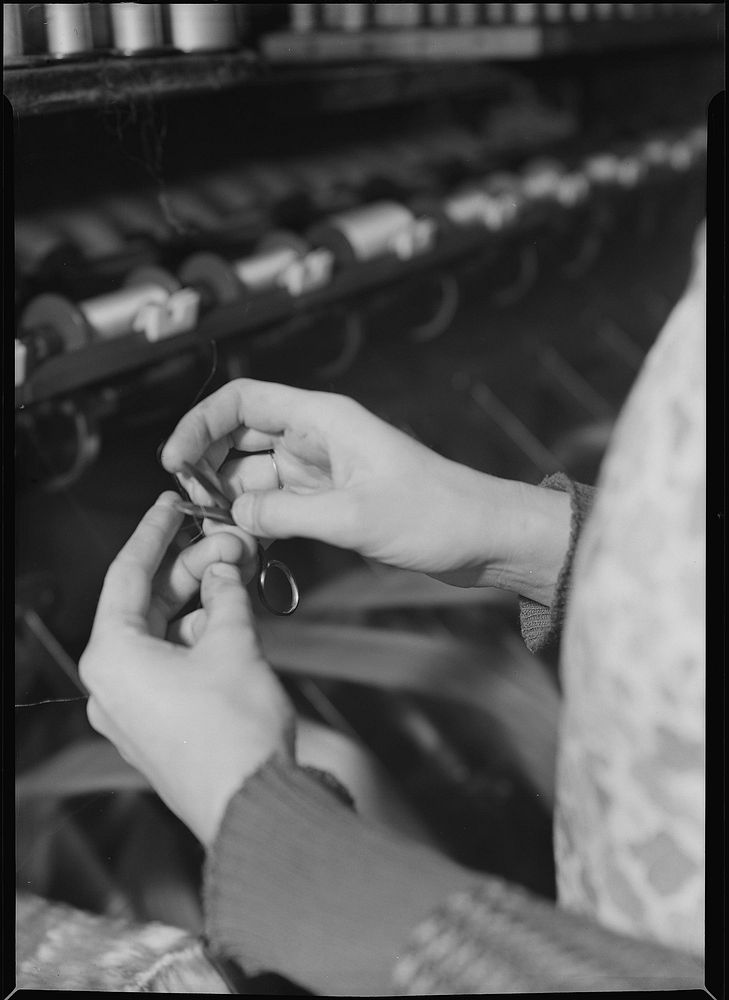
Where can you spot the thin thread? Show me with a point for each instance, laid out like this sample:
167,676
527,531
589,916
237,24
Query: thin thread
49,701
198,396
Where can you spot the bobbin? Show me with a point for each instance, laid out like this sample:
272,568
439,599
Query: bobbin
226,281
68,27
136,27
203,27
363,233
13,47
52,324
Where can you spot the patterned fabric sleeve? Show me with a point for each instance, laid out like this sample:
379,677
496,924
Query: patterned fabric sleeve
540,625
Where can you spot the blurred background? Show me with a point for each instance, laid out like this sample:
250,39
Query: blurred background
473,218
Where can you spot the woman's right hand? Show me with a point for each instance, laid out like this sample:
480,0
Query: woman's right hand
352,480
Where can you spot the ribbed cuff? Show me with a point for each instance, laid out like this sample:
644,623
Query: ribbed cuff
498,938
298,884
541,625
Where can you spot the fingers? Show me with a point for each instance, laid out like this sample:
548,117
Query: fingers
242,404
125,596
255,472
224,600
175,585
329,516
186,631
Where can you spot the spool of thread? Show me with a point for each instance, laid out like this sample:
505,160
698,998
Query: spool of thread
68,327
540,180
137,27
68,27
397,15
12,34
353,16
112,315
203,27
602,169
554,12
603,11
579,11
495,13
274,254
474,207
302,17
467,14
505,188
344,16
225,281
524,13
363,233
438,14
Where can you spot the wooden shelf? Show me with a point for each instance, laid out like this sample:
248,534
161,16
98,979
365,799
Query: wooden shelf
338,71
244,319
500,43
52,87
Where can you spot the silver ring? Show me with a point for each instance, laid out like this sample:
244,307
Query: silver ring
275,469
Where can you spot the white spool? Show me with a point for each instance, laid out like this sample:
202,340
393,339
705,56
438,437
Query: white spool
476,206
438,14
68,27
113,315
302,17
467,14
572,189
554,12
370,229
579,11
12,32
203,27
353,16
524,13
541,180
137,27
261,270
602,168
495,13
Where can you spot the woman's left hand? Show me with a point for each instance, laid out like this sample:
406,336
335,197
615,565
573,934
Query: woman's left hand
192,703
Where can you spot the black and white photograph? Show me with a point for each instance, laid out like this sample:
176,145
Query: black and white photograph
362,357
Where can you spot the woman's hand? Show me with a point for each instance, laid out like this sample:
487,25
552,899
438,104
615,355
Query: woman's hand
352,480
193,705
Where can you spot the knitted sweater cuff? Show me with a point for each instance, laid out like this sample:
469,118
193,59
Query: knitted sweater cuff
298,884
497,938
541,625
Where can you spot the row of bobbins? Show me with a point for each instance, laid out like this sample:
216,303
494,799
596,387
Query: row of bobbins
240,204
87,30
156,305
306,17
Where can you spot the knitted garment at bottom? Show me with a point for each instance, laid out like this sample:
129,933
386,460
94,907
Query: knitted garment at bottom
499,939
61,948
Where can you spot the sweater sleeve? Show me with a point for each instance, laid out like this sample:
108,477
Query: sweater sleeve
540,625
299,884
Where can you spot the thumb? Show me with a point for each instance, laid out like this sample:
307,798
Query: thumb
224,598
326,517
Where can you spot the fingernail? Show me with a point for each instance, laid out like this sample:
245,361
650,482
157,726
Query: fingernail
225,570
